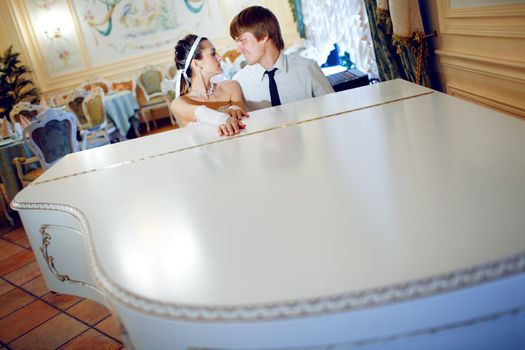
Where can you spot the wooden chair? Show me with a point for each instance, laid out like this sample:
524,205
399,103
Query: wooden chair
99,130
3,203
27,169
168,92
101,83
124,85
26,110
148,82
233,62
74,104
170,71
57,100
232,55
90,135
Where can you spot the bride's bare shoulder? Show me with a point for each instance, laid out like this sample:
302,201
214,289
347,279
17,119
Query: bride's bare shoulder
230,85
182,101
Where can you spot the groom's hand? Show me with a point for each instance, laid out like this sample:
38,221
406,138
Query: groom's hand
237,113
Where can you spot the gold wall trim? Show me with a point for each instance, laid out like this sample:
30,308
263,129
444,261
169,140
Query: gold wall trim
490,66
489,21
41,182
478,97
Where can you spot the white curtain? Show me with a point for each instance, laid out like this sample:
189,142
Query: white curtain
344,22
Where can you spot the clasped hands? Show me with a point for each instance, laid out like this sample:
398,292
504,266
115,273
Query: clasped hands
234,122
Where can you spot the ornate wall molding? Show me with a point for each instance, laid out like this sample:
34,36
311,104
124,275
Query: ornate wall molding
486,11
490,21
489,66
491,69
485,99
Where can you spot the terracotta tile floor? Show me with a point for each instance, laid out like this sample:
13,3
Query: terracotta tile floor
31,317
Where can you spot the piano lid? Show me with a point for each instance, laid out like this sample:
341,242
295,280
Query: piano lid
363,189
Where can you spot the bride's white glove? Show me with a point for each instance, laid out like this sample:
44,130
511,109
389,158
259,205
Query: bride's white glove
227,125
210,116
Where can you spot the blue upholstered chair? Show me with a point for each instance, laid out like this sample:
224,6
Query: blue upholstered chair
52,135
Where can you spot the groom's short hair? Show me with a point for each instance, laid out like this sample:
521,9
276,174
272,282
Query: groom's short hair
260,22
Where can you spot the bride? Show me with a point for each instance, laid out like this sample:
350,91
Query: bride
200,100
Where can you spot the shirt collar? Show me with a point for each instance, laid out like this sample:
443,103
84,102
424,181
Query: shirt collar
281,64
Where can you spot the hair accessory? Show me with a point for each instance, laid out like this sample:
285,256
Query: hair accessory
182,72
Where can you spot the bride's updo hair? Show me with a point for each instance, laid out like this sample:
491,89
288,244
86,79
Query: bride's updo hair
182,49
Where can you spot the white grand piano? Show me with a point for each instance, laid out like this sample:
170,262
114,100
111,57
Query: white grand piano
389,216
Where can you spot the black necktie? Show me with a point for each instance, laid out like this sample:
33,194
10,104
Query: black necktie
274,94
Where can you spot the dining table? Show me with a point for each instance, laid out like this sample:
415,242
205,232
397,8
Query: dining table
9,149
121,107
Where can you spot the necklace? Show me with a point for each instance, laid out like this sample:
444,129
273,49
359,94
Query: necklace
206,94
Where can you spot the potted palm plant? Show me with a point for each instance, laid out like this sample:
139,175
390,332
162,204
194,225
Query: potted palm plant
15,86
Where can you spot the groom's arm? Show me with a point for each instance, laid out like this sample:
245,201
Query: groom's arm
320,85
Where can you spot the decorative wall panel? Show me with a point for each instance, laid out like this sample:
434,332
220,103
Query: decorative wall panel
118,29
481,53
66,42
54,30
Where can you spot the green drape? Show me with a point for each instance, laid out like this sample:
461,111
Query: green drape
297,12
397,57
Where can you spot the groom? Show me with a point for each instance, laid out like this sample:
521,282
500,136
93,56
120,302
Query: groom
271,77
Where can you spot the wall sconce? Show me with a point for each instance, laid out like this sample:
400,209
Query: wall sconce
55,35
